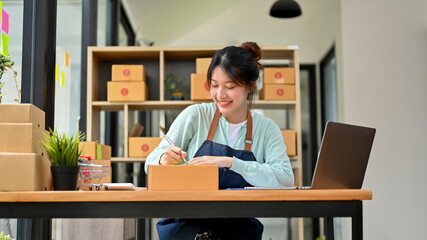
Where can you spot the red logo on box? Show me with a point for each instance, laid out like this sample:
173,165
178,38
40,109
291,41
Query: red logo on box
278,75
206,86
280,92
145,147
124,91
126,72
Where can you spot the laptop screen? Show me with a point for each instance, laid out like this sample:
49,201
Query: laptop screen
343,156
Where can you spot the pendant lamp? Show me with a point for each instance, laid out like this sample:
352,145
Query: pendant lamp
285,9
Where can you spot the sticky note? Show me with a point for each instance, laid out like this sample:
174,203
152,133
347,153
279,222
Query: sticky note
98,151
56,72
62,79
4,21
5,42
66,59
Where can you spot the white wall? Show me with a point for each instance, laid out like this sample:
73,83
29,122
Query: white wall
385,86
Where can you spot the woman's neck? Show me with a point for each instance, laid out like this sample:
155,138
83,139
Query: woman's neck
237,117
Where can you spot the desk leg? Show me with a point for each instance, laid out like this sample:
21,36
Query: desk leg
329,228
34,229
357,221
41,229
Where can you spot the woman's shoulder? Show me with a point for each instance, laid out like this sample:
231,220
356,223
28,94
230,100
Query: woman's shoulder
263,122
261,118
203,109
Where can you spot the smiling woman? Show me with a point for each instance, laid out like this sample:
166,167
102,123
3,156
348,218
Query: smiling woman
248,148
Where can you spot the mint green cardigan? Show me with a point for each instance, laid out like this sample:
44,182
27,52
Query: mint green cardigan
190,130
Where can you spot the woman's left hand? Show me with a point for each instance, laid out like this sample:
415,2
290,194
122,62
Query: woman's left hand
212,160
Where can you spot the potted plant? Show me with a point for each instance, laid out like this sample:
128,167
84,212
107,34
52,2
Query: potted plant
5,64
63,152
176,85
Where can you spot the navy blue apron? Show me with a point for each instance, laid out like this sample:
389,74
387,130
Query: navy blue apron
225,228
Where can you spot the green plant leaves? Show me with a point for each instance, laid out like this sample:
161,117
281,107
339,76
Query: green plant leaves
62,149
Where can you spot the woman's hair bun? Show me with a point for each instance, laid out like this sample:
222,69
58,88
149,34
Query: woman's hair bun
254,48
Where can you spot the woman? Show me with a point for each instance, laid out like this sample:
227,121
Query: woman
247,147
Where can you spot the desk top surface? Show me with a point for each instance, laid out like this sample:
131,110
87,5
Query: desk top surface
181,196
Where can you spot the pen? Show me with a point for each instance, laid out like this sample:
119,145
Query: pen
169,140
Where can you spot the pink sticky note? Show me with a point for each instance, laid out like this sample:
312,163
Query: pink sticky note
4,21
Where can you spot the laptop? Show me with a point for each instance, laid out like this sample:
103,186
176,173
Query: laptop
343,157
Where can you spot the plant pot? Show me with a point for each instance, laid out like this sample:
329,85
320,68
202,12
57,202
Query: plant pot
64,177
177,96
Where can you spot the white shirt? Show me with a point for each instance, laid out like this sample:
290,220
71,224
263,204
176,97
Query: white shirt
233,132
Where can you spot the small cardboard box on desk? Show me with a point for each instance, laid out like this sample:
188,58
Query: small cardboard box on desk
182,178
23,166
100,155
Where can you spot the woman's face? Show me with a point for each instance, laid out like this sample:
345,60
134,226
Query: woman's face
230,97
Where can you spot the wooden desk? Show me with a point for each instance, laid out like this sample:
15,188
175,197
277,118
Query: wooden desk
186,204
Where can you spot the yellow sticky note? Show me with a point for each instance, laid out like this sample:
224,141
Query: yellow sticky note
5,42
62,79
66,59
56,72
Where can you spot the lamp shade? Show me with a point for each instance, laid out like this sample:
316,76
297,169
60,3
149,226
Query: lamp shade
285,9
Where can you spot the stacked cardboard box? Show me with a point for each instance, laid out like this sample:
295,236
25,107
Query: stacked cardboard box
23,164
290,138
279,84
128,83
100,155
199,85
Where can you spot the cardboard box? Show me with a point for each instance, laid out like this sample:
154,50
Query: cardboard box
24,172
96,150
20,138
83,183
202,65
126,91
182,178
128,73
137,130
290,137
199,87
279,75
22,113
277,92
142,146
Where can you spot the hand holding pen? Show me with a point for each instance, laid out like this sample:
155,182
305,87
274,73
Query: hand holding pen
173,155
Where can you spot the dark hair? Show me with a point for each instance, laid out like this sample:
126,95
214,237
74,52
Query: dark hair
240,64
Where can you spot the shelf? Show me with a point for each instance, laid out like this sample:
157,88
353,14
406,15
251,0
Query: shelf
160,105
127,160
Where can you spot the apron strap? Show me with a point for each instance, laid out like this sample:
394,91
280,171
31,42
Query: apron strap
248,140
214,124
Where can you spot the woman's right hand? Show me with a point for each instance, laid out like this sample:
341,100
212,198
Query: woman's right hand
173,156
